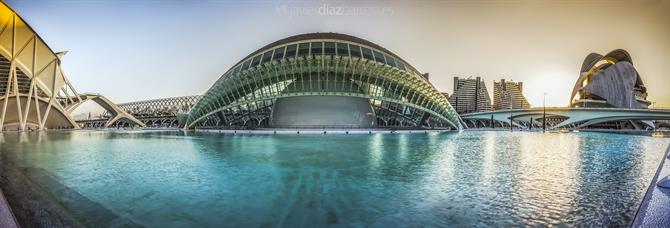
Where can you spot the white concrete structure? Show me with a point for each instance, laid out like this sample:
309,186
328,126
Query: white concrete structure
117,113
34,92
573,118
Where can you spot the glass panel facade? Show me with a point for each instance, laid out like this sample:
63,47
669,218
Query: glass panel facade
367,53
400,65
390,60
267,56
379,57
303,49
342,49
246,65
329,48
279,54
256,61
317,48
355,50
290,51
320,48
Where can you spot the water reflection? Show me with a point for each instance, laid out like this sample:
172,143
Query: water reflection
489,160
375,151
465,179
548,166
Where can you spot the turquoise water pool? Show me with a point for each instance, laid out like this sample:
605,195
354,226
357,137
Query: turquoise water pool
175,179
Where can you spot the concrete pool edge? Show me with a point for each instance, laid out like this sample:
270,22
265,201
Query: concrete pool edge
654,210
7,218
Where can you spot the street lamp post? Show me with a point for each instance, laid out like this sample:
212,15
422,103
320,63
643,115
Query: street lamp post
492,123
544,113
511,118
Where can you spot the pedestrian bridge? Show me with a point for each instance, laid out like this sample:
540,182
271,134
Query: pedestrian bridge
117,113
562,117
162,112
155,113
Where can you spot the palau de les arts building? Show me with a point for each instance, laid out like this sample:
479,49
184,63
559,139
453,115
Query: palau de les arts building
323,80
609,81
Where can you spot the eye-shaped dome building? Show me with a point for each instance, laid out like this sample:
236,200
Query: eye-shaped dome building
609,81
323,80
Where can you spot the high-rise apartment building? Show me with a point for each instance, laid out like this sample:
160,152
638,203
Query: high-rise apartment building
509,94
470,95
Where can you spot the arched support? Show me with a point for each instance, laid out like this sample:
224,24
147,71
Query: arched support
109,106
575,117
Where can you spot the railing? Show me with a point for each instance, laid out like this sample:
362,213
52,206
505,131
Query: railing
313,127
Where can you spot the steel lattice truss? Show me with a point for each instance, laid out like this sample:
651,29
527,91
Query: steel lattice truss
160,107
162,112
399,96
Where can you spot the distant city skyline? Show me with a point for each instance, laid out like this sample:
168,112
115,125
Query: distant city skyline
148,49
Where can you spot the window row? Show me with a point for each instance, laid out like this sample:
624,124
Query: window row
318,49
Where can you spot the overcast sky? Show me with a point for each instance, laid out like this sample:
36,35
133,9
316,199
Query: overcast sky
135,50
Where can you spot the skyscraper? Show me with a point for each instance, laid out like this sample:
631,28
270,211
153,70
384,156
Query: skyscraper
470,95
509,94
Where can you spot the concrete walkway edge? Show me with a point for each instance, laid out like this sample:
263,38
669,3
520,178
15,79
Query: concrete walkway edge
7,218
655,207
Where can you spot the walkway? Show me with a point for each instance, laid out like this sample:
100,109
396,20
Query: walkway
655,208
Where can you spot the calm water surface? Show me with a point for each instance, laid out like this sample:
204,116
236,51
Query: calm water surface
172,179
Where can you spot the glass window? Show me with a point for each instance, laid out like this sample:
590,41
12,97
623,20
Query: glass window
303,49
379,57
267,56
342,49
389,60
237,69
367,53
400,65
256,61
279,54
290,51
355,50
246,64
329,48
317,48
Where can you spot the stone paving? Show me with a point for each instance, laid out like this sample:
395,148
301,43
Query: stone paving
7,219
655,208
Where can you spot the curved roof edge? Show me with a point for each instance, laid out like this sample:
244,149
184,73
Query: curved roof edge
593,58
590,60
326,35
30,27
620,55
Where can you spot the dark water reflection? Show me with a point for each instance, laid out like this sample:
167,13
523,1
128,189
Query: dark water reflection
168,179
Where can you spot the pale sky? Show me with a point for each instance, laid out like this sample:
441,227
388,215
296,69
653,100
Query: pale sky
136,50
